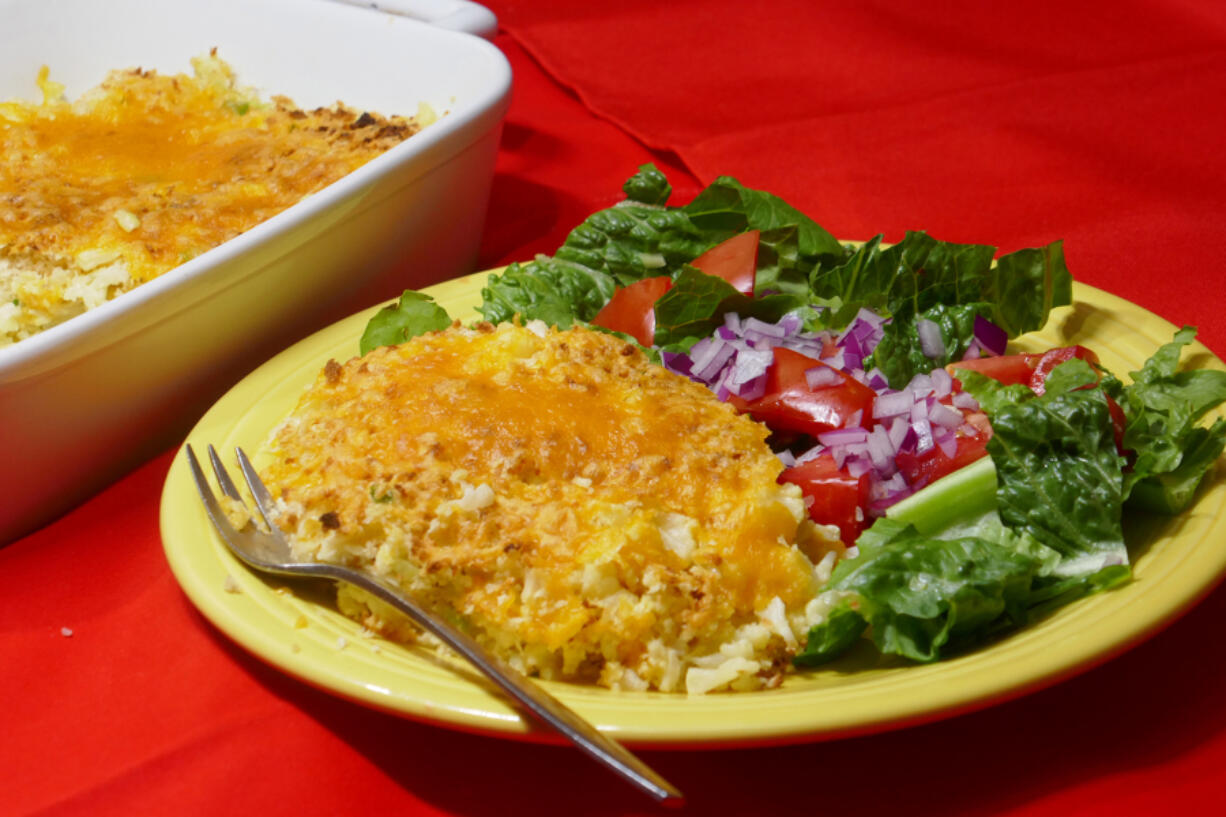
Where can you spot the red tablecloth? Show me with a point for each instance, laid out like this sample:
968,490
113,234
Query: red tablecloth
1099,125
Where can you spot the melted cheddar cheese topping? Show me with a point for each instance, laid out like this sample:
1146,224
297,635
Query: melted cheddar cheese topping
587,513
148,170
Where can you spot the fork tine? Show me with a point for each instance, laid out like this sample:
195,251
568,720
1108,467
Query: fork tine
211,506
263,499
223,476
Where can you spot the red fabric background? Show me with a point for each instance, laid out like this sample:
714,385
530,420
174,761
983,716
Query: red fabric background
1008,127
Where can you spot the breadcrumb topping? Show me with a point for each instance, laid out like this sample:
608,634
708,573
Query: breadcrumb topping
581,511
147,171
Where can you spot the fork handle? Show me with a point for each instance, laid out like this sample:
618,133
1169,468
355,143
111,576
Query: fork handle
539,702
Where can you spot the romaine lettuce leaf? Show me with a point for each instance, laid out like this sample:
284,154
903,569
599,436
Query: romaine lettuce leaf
1164,407
1026,285
792,243
781,266
549,289
1059,477
728,206
922,596
900,356
691,309
840,630
632,241
648,186
640,236
696,304
414,314
911,279
643,236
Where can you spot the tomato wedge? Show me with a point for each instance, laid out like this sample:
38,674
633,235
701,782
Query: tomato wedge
1029,369
1053,358
734,260
790,404
1034,369
632,309
1008,369
834,496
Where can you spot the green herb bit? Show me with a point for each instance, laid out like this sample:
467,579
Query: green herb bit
414,314
381,494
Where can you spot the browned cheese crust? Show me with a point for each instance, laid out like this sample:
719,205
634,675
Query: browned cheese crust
585,512
149,170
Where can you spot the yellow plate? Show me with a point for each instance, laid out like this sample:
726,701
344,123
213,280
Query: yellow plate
1177,561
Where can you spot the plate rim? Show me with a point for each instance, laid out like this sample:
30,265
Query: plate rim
328,652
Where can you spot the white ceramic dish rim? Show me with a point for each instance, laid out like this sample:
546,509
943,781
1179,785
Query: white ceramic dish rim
71,339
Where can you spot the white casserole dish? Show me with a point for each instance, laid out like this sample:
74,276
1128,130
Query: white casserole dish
83,402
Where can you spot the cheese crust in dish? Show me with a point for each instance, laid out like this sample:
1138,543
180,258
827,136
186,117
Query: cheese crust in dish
580,511
147,171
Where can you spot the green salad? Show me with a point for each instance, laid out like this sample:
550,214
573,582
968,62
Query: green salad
975,488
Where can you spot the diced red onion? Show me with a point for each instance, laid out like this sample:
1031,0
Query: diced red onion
753,389
990,336
923,428
942,382
896,483
820,377
678,362
931,342
707,361
836,360
737,360
893,404
858,467
944,416
861,335
964,400
809,346
865,316
899,427
879,449
703,351
755,326
852,350
910,440
812,454
893,486
750,363
948,443
843,436
921,384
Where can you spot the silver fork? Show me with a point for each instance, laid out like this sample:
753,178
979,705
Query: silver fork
270,553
